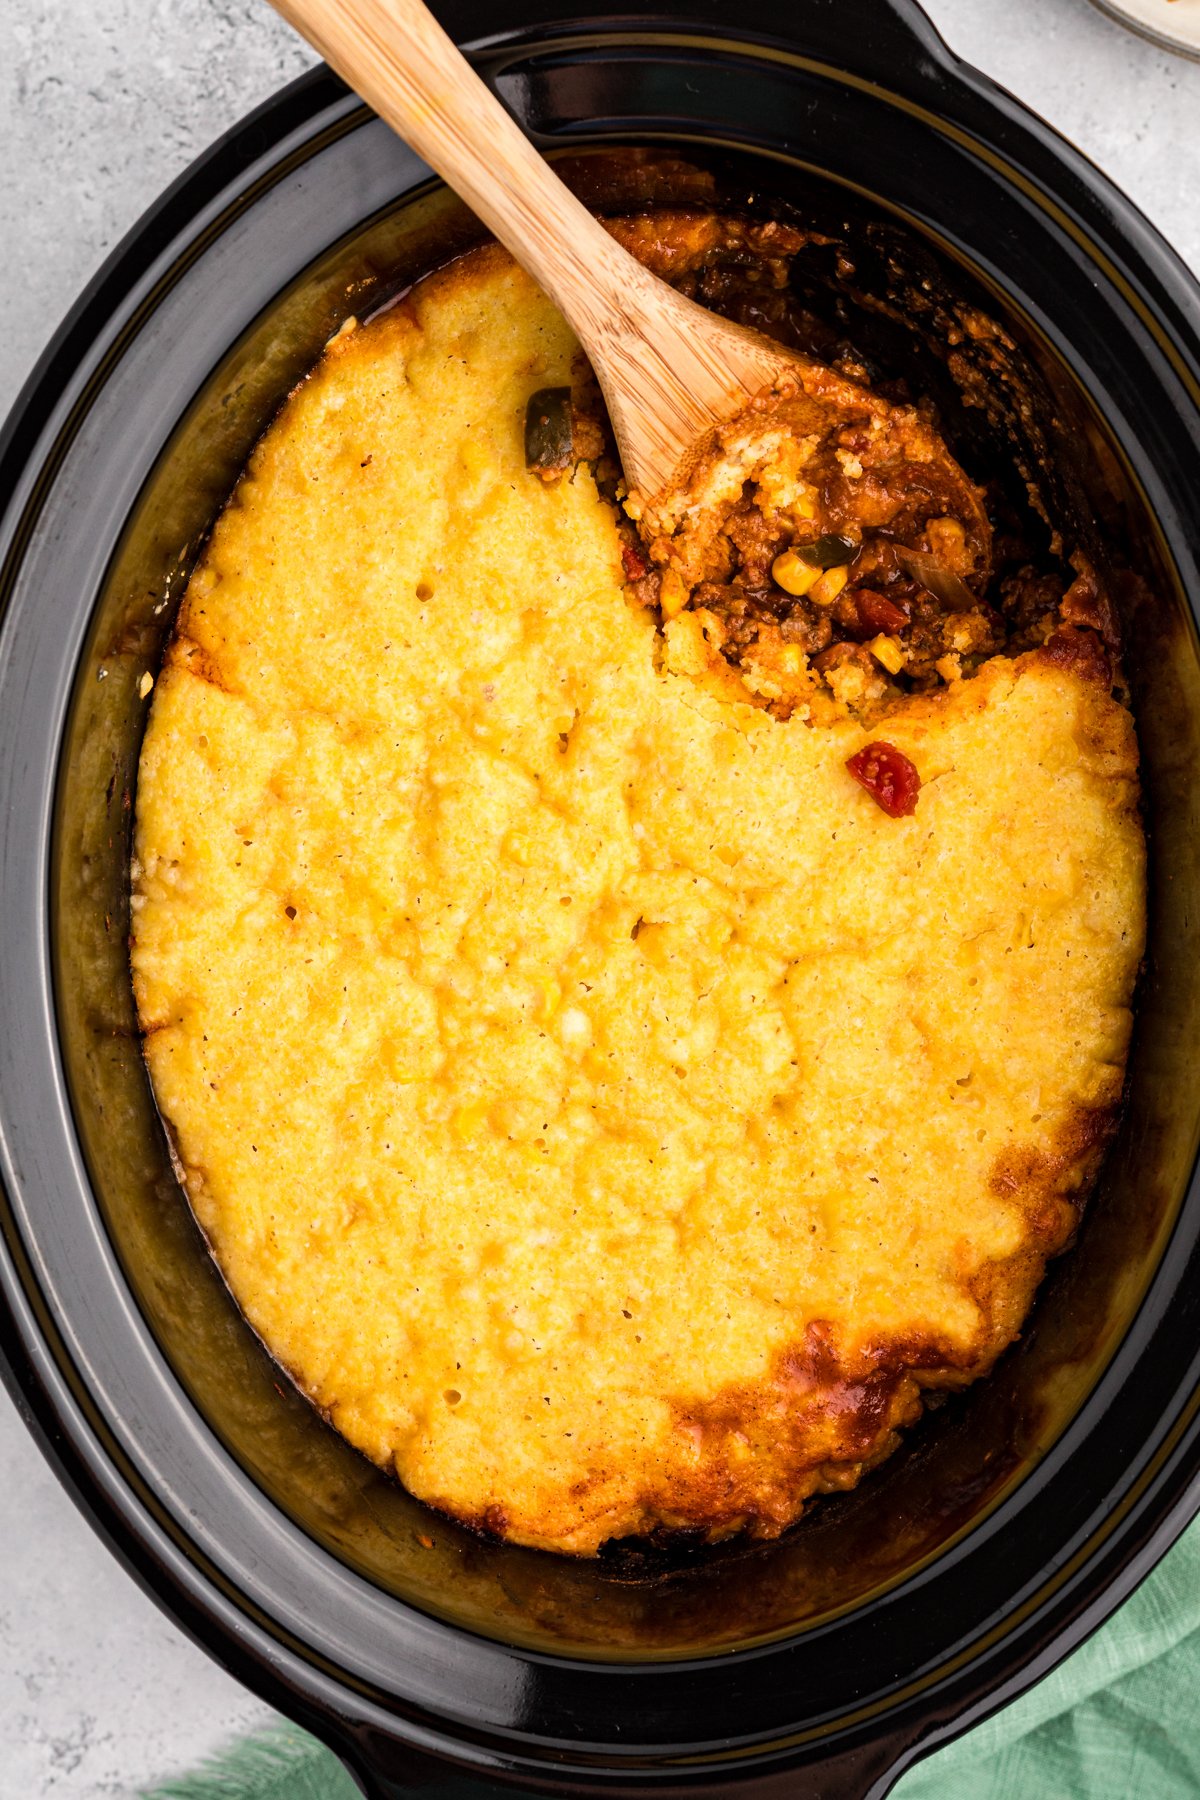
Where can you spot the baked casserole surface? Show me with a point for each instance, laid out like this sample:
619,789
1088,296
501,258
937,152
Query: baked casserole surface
612,1118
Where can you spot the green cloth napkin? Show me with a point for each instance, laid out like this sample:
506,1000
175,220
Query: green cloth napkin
1119,1720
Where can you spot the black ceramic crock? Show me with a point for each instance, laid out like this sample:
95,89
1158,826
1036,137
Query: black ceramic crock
1020,1515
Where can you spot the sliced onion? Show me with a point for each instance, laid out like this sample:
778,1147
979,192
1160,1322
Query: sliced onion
951,590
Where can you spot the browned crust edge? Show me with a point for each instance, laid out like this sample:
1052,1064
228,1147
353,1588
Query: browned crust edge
826,1412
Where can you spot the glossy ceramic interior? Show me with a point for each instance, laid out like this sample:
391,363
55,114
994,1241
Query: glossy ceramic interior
1017,1514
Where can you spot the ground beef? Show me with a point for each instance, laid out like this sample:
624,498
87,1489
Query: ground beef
755,544
744,611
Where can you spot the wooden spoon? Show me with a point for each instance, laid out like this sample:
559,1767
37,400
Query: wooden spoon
670,370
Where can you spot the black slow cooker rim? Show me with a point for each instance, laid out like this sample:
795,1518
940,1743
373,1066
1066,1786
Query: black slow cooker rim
52,1395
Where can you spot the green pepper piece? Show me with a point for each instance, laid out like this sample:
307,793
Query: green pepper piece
829,552
549,431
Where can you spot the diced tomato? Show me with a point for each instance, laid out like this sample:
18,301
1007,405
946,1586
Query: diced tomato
888,776
877,613
635,563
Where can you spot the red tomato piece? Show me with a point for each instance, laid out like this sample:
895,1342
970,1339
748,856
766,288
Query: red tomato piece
635,563
888,776
877,613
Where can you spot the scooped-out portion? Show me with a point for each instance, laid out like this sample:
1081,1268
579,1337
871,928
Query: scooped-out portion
826,544
805,542
625,1041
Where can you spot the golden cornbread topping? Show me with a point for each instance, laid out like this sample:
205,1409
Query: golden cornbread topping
608,1113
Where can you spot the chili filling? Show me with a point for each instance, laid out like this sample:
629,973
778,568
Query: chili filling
830,549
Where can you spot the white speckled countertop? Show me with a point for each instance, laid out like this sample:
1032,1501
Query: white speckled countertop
102,102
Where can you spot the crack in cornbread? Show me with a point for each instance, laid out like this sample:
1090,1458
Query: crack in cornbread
609,1116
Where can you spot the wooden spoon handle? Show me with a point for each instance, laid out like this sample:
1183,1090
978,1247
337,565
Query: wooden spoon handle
667,367
396,55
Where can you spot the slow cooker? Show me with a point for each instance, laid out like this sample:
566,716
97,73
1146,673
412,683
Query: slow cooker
1019,1515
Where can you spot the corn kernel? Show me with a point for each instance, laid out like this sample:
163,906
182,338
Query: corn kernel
550,998
794,576
575,1028
946,539
470,1120
888,651
475,456
717,930
673,594
827,589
